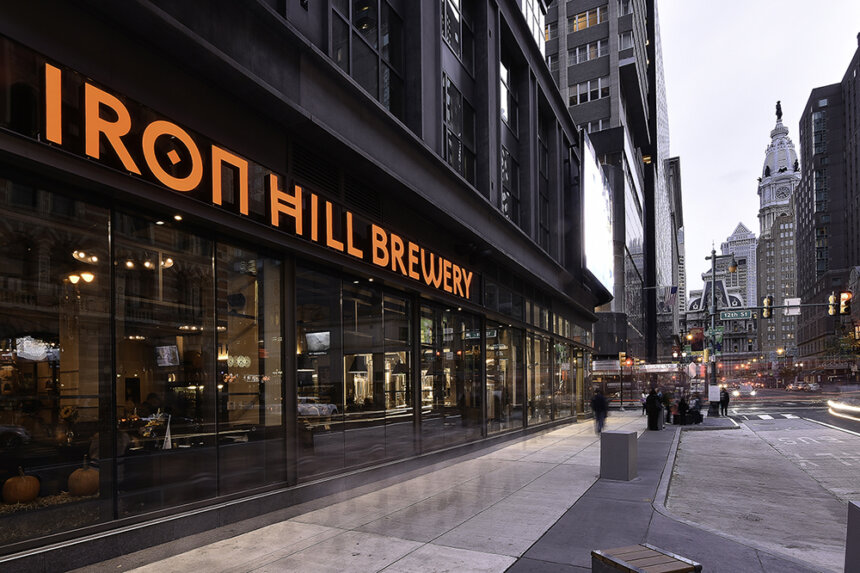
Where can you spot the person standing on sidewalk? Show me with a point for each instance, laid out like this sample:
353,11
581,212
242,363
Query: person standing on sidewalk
642,399
600,409
652,408
724,402
683,408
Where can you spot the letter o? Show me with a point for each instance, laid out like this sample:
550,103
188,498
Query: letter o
155,130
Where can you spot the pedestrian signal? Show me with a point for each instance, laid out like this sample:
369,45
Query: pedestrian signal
831,304
767,304
845,302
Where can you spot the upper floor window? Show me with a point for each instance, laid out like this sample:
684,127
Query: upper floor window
510,195
625,7
550,31
543,193
587,19
459,127
819,132
534,16
367,43
589,51
457,30
596,125
591,90
625,40
507,96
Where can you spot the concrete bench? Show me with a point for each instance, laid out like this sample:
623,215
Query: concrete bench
643,558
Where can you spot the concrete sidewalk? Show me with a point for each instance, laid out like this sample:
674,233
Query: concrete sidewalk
536,504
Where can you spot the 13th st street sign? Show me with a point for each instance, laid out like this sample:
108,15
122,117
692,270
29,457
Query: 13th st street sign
735,314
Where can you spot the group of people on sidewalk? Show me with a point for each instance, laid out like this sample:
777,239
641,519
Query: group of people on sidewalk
653,403
678,410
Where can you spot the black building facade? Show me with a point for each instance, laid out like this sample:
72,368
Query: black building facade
257,252
827,213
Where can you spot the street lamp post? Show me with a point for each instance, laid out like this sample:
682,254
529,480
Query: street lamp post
714,405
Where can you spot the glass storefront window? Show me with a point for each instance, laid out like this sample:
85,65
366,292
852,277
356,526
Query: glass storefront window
250,401
364,373
399,399
451,389
563,389
505,355
319,378
54,362
539,380
165,382
355,405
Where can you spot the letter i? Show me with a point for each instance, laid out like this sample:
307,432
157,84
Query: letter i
53,104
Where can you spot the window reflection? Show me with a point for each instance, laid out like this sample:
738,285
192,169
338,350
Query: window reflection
54,359
164,363
249,370
563,389
451,399
538,380
320,388
504,378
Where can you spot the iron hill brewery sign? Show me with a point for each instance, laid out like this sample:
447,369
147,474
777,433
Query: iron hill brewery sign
163,151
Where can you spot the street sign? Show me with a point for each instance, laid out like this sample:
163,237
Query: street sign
794,303
735,314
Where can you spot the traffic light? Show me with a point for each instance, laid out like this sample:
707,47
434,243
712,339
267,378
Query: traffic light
831,306
629,362
845,302
622,356
766,310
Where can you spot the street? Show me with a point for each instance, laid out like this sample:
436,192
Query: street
770,403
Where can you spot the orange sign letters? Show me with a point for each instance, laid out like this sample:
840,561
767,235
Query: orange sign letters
107,120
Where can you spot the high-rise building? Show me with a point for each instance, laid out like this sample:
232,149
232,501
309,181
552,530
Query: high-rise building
672,298
607,61
261,252
742,244
777,268
682,274
827,213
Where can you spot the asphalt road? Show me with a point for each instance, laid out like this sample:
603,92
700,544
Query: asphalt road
782,404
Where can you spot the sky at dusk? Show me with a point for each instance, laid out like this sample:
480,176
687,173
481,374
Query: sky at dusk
726,64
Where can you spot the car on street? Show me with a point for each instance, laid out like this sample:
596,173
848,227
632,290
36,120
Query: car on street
845,407
813,387
744,391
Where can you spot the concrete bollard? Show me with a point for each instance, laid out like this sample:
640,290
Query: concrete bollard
618,455
852,539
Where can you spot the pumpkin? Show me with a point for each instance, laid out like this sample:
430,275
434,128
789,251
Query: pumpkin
20,489
85,480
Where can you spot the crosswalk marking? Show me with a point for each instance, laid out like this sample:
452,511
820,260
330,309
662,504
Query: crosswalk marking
753,417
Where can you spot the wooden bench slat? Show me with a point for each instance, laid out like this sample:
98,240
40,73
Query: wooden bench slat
654,560
679,567
645,552
626,549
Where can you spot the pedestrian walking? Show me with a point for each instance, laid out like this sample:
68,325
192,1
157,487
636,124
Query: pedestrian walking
682,411
642,400
653,407
724,402
600,409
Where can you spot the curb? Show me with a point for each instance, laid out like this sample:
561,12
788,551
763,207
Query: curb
659,505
